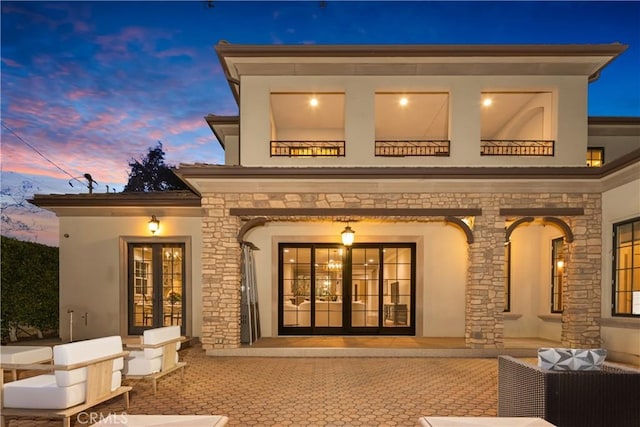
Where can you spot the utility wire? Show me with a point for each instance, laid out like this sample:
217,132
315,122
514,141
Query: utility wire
36,150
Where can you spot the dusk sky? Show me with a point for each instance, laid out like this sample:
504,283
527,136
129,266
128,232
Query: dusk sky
91,85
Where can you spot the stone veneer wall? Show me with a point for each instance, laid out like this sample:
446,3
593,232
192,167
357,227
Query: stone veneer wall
484,295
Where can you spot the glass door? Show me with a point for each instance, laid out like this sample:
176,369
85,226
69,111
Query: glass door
398,275
365,287
328,274
156,286
330,289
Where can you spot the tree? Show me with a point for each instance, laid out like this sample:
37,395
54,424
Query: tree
152,174
30,285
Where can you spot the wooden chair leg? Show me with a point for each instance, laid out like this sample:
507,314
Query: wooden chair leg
155,385
126,400
66,422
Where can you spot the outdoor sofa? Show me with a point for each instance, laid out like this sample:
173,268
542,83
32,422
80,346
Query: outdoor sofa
156,355
606,397
85,373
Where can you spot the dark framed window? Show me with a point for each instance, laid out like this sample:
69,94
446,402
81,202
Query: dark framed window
626,268
595,157
368,288
558,268
507,277
156,285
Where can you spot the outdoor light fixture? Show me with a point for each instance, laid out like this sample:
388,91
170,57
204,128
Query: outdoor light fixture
154,224
348,235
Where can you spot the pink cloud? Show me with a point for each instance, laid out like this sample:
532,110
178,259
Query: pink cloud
11,63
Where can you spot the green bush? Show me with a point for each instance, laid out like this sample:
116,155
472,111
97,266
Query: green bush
29,286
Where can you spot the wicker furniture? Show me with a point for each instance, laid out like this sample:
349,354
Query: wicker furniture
608,397
483,422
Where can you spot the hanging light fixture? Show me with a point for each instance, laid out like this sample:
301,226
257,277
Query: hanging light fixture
153,224
348,236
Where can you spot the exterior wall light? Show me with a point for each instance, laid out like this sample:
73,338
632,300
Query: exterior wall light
348,236
154,224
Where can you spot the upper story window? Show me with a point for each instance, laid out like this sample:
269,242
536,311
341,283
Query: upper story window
412,124
595,157
626,268
516,124
307,125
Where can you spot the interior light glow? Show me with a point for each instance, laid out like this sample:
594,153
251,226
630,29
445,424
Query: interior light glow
404,101
487,102
313,102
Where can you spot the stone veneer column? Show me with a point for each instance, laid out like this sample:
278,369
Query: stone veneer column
582,292
220,273
485,282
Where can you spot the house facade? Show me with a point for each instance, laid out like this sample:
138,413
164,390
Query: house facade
461,170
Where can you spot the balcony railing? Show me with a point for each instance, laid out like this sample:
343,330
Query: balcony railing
517,147
307,148
408,148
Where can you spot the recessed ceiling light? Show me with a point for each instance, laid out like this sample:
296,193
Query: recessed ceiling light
404,101
313,102
487,102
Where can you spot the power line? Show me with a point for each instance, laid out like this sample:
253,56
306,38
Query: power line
39,153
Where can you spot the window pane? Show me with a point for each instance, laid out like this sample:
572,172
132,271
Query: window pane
627,266
296,272
558,269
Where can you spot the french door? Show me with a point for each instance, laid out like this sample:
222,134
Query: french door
331,289
156,284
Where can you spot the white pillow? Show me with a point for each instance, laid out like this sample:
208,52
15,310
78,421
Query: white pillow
571,359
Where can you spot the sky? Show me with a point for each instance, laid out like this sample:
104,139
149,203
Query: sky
88,86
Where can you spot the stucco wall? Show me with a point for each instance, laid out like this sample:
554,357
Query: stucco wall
91,271
441,264
531,283
619,334
566,123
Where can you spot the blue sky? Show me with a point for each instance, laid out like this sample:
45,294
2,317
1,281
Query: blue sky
92,85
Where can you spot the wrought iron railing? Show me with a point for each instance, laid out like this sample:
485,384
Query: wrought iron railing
406,148
307,148
516,147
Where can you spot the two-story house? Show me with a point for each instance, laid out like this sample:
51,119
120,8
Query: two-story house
475,198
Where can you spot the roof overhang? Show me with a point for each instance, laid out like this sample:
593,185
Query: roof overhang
418,60
614,126
165,203
223,126
205,178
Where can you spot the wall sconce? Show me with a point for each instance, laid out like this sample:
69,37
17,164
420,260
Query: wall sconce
348,236
153,224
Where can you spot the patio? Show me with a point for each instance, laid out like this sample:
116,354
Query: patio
296,391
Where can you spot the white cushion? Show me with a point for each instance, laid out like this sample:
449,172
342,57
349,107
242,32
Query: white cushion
25,354
138,364
42,392
83,351
157,336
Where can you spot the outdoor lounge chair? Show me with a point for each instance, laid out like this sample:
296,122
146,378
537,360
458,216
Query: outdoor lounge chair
157,357
85,373
605,397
